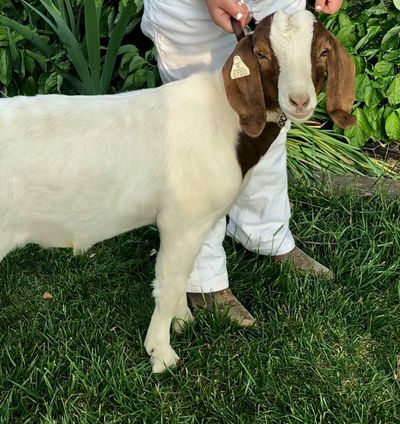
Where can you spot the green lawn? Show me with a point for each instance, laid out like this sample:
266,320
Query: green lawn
322,352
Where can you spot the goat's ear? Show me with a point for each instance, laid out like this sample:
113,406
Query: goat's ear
243,86
340,88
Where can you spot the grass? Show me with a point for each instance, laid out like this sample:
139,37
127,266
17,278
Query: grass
322,352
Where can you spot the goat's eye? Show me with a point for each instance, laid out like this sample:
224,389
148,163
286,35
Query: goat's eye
260,55
324,53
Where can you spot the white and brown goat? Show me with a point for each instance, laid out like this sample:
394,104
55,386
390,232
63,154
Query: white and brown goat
75,170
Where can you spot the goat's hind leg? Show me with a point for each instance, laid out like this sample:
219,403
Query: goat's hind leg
175,261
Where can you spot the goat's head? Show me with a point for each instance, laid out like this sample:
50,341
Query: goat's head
282,65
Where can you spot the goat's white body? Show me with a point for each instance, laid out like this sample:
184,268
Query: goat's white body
76,170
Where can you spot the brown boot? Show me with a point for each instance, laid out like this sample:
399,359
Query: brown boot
223,300
304,264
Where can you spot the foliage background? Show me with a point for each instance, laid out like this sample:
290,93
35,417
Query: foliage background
29,68
370,31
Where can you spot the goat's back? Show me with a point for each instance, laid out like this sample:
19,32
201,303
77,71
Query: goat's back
79,169
70,164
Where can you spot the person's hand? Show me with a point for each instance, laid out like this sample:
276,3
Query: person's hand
328,6
221,12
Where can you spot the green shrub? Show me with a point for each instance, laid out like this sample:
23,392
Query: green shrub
81,47
371,33
21,64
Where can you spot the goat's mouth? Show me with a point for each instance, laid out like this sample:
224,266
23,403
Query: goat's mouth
299,116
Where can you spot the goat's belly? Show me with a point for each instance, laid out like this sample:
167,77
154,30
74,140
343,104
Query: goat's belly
53,235
80,234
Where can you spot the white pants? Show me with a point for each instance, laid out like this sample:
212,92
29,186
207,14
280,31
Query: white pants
187,41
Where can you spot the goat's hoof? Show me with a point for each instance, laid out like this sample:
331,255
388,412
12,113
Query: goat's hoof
179,323
163,359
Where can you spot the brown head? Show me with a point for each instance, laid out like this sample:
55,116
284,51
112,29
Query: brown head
282,65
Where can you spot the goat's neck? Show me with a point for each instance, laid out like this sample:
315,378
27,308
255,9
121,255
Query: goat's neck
248,150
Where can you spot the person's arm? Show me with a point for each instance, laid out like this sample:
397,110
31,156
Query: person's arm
221,12
328,6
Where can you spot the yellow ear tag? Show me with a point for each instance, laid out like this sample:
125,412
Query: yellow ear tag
239,69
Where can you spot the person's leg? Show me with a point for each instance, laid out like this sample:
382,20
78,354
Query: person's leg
260,217
208,284
259,220
188,41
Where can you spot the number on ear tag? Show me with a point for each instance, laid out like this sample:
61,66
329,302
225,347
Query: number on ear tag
239,69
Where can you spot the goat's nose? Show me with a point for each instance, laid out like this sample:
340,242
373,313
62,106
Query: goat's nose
300,101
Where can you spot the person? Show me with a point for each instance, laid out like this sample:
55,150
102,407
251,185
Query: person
195,35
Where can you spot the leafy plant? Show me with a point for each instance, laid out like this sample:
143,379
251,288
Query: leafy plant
21,65
371,33
81,60
309,148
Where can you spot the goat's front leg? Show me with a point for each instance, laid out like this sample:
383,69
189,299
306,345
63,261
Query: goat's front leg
175,261
182,314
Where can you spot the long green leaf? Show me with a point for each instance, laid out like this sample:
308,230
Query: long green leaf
312,148
30,35
92,26
67,14
80,88
44,17
71,45
61,8
13,48
113,46
5,67
71,18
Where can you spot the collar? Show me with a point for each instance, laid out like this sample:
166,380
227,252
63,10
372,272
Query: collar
241,32
282,119
278,117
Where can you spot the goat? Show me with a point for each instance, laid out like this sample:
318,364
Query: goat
76,170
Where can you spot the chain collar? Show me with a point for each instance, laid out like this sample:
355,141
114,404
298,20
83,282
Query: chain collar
281,120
